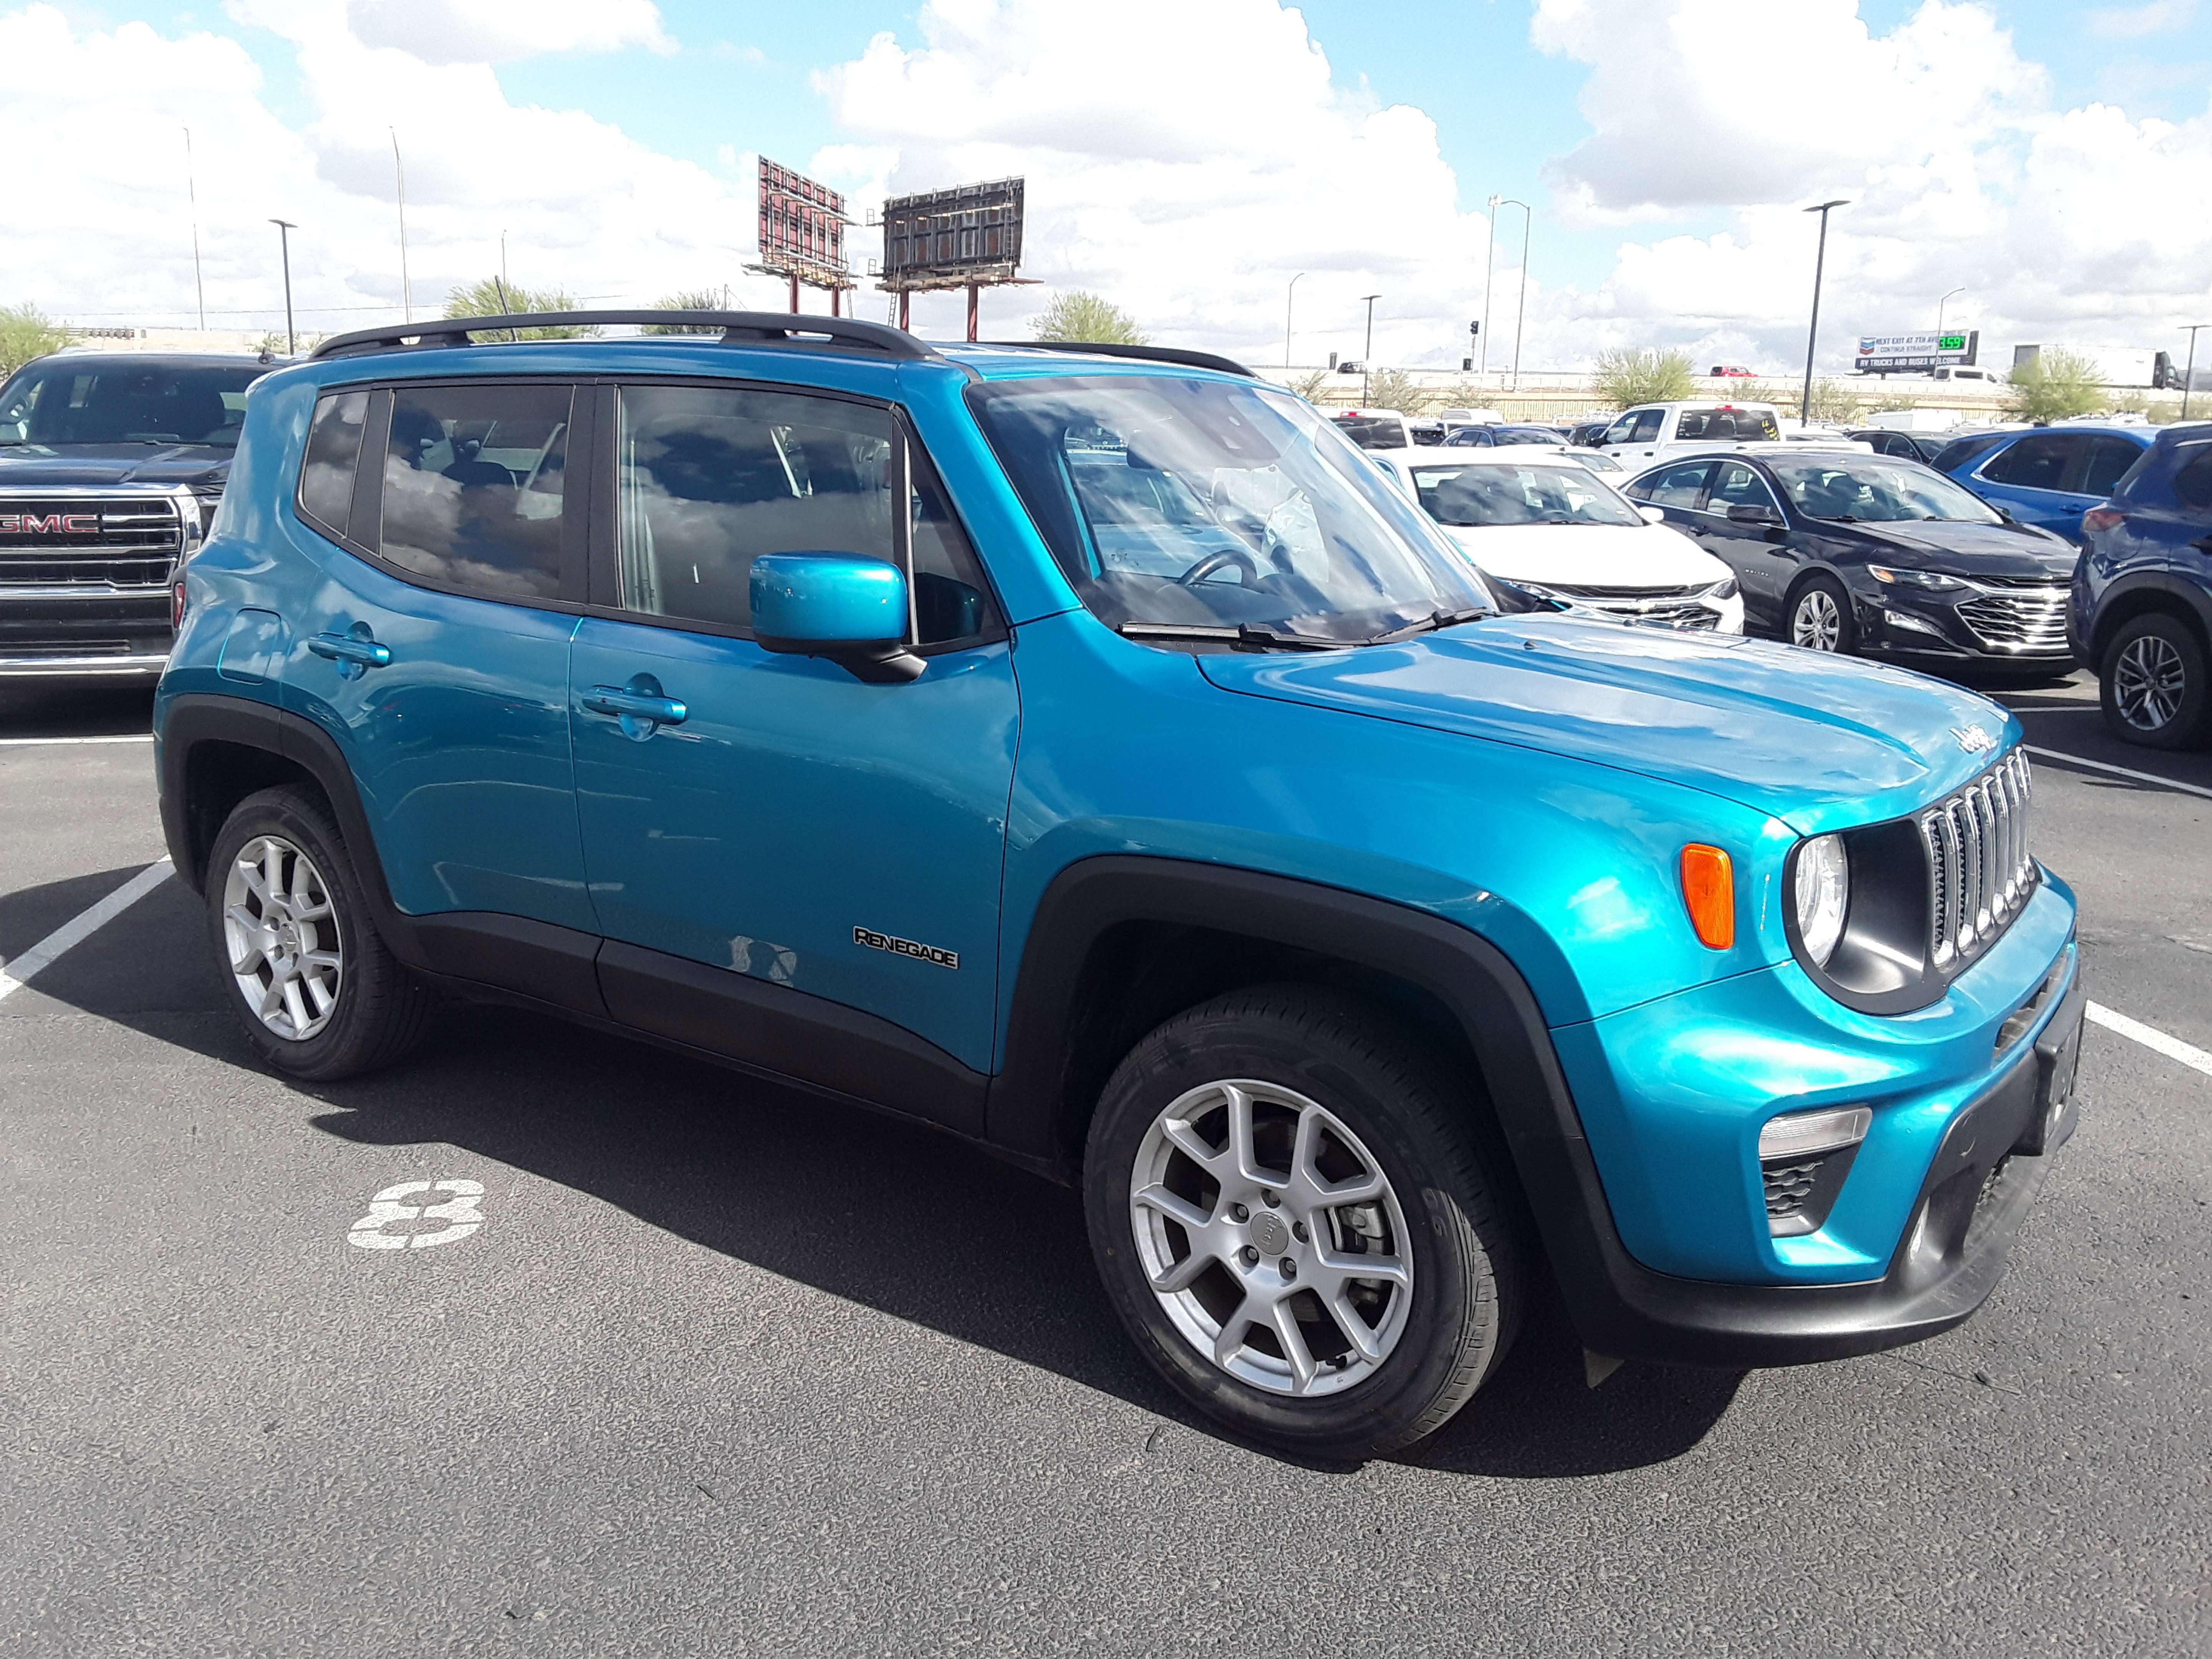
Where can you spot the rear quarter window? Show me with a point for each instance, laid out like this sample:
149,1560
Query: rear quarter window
2193,484
333,455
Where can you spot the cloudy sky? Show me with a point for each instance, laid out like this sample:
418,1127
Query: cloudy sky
1186,158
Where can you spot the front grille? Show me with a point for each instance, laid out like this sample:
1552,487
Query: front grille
1979,871
1644,607
134,545
2027,619
1789,1185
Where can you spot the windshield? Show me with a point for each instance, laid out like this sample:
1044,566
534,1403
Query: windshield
1182,503
81,399
1875,488
1373,432
1487,494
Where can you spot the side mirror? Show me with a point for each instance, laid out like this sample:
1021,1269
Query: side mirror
1652,515
1753,512
852,610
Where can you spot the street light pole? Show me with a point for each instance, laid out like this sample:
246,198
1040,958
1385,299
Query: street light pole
2189,372
1813,333
1528,222
1941,303
1367,356
284,229
1289,295
399,191
1489,262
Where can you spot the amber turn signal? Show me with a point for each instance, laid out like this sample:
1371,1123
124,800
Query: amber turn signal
1709,889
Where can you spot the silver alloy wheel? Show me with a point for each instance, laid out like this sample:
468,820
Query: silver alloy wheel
2149,680
1272,1237
282,935
1816,622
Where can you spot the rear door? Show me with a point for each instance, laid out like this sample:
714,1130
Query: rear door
2040,480
435,649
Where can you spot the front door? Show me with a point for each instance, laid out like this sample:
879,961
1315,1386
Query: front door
788,825
1760,553
430,648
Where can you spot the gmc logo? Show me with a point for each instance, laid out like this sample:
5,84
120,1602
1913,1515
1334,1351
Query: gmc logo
53,524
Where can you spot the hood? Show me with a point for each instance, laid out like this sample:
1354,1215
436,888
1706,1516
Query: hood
78,467
1820,742
1588,554
1965,549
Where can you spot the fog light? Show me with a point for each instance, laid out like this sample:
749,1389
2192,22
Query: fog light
1906,620
1800,1134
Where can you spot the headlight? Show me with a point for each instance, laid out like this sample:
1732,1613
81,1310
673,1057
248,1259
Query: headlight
1823,895
1724,589
1932,581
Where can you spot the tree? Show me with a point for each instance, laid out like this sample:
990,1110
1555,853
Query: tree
2056,385
1310,386
689,299
494,298
1394,388
25,333
1625,377
1834,403
1086,317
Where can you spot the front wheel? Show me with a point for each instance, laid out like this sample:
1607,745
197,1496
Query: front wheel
1293,1220
2152,683
319,994
1820,617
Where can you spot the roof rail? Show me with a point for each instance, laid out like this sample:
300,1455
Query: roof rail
738,328
1149,354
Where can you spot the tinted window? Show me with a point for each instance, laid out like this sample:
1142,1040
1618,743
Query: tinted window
709,479
1674,486
1875,489
1526,435
1370,431
1958,451
1726,425
1647,426
472,487
1737,485
2193,485
2109,458
1619,431
2036,462
333,452
81,399
1472,437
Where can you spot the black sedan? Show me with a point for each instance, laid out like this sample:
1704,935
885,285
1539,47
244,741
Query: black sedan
1841,551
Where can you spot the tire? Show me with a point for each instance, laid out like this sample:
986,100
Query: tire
1375,1106
1820,611
343,1004
2152,683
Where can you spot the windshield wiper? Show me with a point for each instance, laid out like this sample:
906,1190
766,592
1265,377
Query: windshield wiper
1432,622
1243,634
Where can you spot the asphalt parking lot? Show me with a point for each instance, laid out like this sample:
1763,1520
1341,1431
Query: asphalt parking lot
705,1367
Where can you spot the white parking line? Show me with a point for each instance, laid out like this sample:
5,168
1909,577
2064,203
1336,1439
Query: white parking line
37,742
13,976
2151,1037
2120,771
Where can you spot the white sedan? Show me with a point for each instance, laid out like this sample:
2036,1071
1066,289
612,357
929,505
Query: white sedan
1551,527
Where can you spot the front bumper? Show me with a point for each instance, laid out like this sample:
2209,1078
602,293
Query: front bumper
80,633
1980,625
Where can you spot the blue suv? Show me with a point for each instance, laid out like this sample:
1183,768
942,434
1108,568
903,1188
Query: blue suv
2142,593
1086,751
2048,477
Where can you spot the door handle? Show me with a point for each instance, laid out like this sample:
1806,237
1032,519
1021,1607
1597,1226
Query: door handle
356,651
639,706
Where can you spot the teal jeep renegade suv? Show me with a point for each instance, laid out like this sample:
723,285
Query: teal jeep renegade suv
1087,752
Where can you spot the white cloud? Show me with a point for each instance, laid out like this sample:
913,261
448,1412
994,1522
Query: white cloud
453,32
2133,23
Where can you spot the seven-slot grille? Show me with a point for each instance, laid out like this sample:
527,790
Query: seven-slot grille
2028,618
131,543
1980,871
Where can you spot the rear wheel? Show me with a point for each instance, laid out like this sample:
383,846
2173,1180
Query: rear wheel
2152,683
1820,617
320,996
1294,1222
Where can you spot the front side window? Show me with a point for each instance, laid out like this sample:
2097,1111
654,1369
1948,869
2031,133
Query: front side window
473,487
2109,458
1177,502
1873,488
708,478
1736,485
326,474
1673,486
1622,429
1647,426
1485,493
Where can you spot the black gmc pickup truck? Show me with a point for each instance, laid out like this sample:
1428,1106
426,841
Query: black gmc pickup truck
111,465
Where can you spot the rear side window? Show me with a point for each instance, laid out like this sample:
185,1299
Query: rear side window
707,479
2036,463
2193,484
473,491
1960,451
2109,458
333,452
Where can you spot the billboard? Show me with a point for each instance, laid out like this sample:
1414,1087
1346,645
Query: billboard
951,238
1907,354
802,227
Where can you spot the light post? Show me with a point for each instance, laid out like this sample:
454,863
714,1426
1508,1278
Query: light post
1367,356
1489,262
1528,222
1289,295
2189,372
284,229
1813,333
1939,304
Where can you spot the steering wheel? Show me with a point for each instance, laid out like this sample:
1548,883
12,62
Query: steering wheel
1221,560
